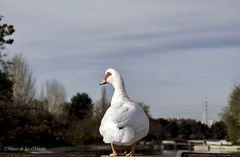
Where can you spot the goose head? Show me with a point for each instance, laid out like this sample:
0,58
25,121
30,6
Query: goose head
111,76
114,78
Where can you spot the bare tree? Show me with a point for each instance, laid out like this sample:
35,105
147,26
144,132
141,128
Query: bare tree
101,106
146,109
54,96
23,81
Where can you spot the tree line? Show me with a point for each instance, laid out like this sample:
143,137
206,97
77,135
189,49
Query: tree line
184,129
50,120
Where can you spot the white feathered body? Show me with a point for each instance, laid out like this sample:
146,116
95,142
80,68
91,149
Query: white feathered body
124,123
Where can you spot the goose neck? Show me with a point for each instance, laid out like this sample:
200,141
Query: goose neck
120,93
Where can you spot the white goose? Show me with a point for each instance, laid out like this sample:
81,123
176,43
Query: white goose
125,122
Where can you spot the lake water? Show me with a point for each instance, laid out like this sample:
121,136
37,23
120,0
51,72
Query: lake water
79,151
81,154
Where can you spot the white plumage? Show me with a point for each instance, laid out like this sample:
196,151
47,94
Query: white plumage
125,122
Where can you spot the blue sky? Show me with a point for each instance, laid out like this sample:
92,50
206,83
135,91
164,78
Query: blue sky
172,54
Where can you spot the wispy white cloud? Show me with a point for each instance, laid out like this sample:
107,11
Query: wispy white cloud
179,51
